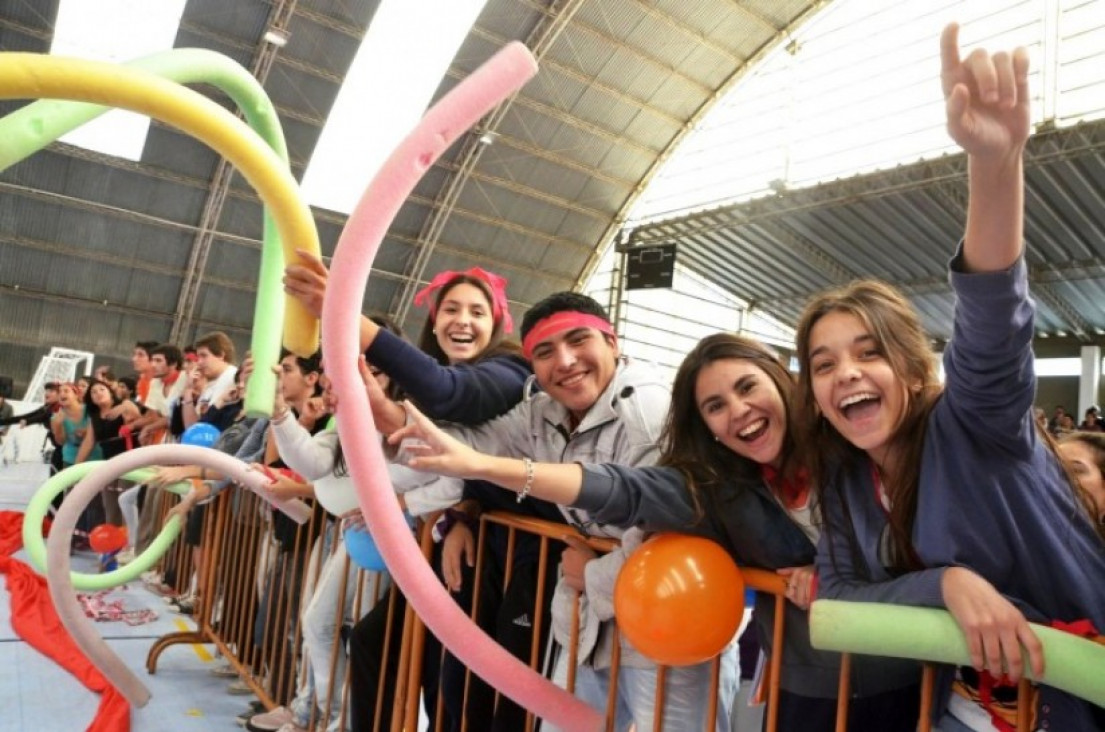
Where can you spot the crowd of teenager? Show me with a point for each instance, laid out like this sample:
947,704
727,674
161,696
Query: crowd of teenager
862,477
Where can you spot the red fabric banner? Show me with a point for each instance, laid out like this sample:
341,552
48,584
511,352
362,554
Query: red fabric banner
35,621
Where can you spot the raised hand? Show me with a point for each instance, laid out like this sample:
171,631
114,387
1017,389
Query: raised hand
986,97
306,281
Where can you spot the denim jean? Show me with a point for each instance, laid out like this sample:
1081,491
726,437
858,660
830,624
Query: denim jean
321,626
686,689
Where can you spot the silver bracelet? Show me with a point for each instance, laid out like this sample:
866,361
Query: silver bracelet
528,485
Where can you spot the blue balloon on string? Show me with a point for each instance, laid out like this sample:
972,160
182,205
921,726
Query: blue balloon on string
363,550
201,434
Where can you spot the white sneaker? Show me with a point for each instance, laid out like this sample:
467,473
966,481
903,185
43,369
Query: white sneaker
224,670
126,556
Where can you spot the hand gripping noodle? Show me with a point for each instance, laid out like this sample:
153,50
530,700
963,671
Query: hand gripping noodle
1075,665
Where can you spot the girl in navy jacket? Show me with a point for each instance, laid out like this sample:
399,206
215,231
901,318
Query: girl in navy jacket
948,496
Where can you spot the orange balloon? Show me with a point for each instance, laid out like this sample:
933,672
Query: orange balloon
107,538
679,599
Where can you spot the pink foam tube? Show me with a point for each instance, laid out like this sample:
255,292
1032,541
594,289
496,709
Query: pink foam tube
69,610
357,247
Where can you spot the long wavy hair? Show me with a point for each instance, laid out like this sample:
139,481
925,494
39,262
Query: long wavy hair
496,345
896,329
687,443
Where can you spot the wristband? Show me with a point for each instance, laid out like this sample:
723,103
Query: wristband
528,485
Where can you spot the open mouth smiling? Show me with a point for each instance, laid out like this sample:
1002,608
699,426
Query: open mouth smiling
753,431
859,405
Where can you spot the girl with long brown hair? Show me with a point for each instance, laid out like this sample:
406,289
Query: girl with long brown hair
946,496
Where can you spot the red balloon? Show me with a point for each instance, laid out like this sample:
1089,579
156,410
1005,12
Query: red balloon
107,538
679,599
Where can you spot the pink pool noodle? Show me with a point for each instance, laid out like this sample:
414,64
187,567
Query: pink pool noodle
69,611
356,250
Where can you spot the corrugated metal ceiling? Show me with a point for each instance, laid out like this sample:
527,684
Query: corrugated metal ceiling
901,226
97,252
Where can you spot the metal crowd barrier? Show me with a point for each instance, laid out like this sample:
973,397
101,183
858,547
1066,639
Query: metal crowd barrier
238,565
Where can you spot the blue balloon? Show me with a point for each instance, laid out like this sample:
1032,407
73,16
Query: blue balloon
201,434
363,550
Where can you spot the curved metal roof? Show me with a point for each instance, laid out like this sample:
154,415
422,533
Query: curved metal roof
901,226
97,252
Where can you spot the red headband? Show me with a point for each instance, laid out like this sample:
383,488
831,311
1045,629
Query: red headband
495,283
559,322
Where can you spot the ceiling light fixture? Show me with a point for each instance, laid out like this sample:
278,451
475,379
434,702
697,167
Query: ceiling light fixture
276,37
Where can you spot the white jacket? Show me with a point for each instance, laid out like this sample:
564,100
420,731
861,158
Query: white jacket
313,458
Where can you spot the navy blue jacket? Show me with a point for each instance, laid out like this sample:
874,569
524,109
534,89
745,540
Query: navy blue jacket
463,393
992,496
743,517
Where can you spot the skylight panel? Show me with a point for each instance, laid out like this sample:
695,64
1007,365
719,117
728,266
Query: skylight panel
402,60
115,31
856,90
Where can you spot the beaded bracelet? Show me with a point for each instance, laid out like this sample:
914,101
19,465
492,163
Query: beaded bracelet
528,485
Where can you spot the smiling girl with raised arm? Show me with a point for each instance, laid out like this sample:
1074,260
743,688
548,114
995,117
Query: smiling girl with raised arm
946,496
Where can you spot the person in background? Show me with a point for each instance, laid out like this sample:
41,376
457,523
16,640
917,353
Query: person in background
190,359
40,415
69,426
1091,422
107,434
141,509
166,386
1056,420
125,389
106,375
143,373
215,361
1084,455
7,412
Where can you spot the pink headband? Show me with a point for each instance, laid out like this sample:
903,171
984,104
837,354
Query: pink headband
495,283
558,323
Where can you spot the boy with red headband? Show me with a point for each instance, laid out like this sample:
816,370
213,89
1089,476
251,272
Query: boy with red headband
593,405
